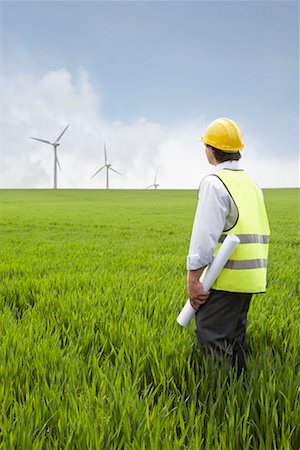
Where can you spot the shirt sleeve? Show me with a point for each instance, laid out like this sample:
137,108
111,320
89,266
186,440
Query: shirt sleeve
210,219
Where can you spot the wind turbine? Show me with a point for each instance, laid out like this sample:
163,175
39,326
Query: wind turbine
55,144
155,185
108,168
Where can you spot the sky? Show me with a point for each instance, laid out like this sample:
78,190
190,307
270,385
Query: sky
146,78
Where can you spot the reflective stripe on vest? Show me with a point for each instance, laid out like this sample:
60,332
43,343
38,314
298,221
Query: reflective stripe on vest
246,264
249,238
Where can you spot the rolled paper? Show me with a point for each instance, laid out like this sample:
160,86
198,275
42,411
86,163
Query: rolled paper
210,275
186,314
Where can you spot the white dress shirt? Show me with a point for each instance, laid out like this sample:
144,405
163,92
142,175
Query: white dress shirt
215,213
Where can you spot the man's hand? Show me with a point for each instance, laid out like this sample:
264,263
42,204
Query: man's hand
196,293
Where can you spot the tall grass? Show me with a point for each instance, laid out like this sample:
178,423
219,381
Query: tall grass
91,356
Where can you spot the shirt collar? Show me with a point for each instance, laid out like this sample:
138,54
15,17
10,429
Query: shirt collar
231,165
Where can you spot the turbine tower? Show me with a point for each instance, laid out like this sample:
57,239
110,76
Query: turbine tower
108,168
155,185
55,144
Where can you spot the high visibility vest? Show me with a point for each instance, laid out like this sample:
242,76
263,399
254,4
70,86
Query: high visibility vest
246,270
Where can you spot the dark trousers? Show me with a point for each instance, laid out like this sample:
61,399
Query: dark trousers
221,325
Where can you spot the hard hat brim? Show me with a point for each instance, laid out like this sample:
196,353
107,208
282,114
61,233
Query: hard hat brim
201,139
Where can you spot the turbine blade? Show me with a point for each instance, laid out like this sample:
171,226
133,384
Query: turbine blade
115,171
97,172
155,178
57,160
62,133
150,186
41,140
105,156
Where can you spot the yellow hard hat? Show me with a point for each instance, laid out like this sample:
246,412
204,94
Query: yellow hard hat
224,134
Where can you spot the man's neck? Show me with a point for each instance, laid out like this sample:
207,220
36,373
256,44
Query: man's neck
232,165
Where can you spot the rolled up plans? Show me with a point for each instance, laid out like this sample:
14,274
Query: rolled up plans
210,275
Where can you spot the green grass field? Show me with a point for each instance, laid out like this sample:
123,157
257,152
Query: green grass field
91,356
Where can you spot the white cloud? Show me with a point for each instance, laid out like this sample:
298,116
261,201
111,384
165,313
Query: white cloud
273,172
43,107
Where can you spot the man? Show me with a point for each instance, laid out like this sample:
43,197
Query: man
229,202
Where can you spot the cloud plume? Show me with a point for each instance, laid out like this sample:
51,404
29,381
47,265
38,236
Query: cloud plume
42,107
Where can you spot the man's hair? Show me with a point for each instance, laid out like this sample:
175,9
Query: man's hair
225,156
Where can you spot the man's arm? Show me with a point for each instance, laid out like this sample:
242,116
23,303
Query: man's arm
210,218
